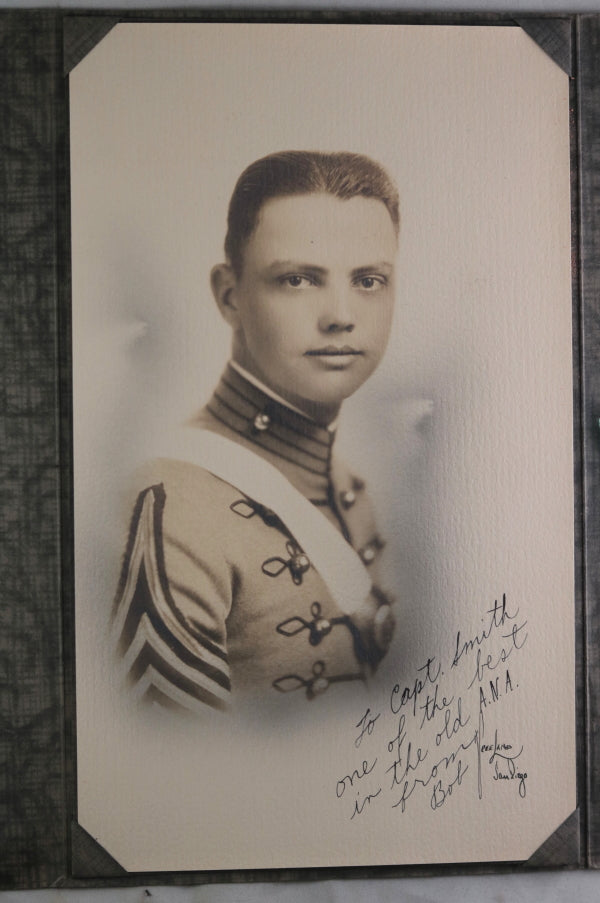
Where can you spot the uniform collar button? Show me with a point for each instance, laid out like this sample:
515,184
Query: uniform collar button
262,422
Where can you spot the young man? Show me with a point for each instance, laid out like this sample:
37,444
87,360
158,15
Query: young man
252,549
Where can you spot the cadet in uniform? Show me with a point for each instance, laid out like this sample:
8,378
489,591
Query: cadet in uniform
252,555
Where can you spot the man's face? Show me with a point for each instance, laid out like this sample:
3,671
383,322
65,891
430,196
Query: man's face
313,305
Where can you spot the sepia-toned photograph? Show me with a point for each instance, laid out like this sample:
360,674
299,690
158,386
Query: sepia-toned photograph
322,444
308,291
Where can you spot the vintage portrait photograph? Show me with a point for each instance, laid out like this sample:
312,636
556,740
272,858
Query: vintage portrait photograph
322,445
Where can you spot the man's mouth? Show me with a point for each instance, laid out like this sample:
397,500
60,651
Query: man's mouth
332,351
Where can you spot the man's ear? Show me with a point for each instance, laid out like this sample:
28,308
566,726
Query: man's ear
223,283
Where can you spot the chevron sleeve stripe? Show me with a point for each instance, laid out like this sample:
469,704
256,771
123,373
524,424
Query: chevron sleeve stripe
162,657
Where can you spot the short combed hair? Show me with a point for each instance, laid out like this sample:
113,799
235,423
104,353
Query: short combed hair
342,174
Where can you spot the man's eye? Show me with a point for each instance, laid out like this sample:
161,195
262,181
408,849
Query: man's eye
296,280
371,283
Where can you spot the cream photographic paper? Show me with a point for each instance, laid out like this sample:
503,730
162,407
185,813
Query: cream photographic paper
461,747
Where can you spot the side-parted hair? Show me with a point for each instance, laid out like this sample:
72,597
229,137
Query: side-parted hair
342,174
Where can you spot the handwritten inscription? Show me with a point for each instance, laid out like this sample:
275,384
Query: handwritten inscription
349,779
426,745
366,726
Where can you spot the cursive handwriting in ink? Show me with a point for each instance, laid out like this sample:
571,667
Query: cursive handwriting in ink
492,662
431,706
452,726
499,614
502,751
440,793
429,672
495,692
349,779
434,725
366,726
444,762
513,774
503,758
360,805
411,761
480,733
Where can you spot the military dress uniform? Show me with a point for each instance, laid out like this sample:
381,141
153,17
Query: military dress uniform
216,595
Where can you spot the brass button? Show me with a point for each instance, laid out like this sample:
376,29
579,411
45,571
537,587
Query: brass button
323,626
367,554
320,685
300,563
262,422
348,497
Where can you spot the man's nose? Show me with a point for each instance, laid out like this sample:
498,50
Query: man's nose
336,313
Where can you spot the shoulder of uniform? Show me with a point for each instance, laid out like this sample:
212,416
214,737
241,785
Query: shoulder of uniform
189,497
180,478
